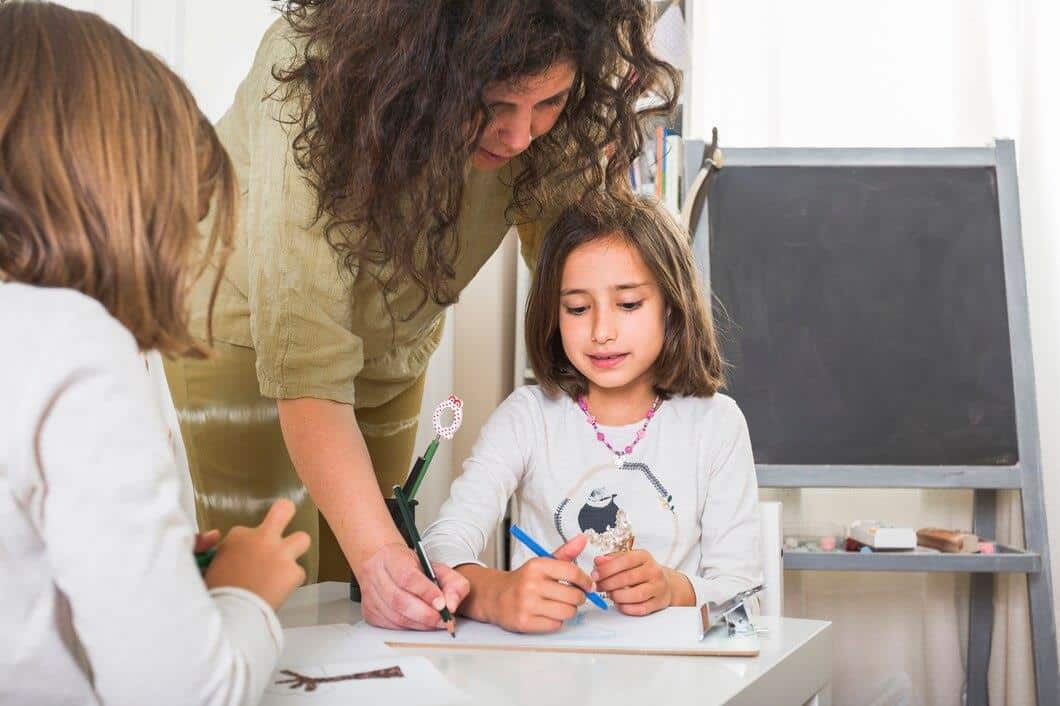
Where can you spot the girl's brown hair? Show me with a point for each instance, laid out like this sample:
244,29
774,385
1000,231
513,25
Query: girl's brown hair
392,109
690,362
106,167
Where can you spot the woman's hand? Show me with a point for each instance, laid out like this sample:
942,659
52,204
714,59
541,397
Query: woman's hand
542,593
396,594
638,585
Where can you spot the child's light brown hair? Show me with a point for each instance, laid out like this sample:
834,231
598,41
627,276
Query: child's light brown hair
106,167
690,362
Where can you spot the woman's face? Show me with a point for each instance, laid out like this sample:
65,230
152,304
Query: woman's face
520,112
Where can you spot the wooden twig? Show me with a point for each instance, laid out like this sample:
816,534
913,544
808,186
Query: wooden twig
301,681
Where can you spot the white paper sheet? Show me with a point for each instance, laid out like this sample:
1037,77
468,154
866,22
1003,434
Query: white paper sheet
421,684
328,644
670,631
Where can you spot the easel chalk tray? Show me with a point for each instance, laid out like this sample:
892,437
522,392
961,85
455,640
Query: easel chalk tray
673,631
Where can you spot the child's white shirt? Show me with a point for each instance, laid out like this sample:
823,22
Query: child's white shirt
101,600
687,493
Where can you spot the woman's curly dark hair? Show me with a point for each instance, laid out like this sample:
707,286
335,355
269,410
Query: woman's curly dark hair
393,109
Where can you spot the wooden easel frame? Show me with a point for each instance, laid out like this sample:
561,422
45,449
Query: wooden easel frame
984,481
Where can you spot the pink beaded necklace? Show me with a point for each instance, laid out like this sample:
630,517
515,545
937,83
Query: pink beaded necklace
584,405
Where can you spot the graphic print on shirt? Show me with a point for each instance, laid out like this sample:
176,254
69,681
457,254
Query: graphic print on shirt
605,523
619,507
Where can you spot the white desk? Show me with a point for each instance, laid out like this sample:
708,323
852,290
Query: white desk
795,666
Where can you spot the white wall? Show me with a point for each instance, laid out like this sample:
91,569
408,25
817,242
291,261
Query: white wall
210,44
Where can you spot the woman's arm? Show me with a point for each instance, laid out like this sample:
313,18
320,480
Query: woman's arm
332,460
322,437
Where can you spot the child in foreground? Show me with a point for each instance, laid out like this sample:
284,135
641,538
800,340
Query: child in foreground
625,455
106,167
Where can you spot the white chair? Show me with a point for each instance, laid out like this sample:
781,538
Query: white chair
771,600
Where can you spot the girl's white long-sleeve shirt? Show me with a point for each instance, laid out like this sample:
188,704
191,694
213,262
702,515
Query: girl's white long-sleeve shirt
101,601
687,493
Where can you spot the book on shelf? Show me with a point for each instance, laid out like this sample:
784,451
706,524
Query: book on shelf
659,170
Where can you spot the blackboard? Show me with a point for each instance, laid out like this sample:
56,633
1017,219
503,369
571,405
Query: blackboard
875,314
863,312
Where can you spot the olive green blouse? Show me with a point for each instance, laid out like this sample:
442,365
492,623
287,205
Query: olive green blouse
317,329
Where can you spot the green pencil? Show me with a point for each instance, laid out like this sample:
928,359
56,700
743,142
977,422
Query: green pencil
203,559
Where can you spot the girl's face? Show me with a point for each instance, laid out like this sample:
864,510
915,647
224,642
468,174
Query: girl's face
611,316
521,112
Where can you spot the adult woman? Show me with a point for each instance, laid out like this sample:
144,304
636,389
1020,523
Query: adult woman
383,150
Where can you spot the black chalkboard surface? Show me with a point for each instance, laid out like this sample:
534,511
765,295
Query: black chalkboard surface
863,311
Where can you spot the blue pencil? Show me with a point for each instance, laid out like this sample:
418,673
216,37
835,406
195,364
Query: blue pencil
540,551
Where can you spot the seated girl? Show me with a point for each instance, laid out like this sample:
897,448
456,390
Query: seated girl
625,454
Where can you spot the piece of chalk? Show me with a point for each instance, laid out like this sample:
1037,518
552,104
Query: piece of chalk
828,544
987,548
865,550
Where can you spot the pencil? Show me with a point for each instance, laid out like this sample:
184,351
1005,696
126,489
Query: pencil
421,554
541,551
412,479
428,456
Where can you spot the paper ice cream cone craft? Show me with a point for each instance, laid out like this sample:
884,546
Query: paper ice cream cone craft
455,406
605,523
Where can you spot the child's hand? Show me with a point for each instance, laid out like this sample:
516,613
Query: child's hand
638,585
205,541
261,559
533,599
